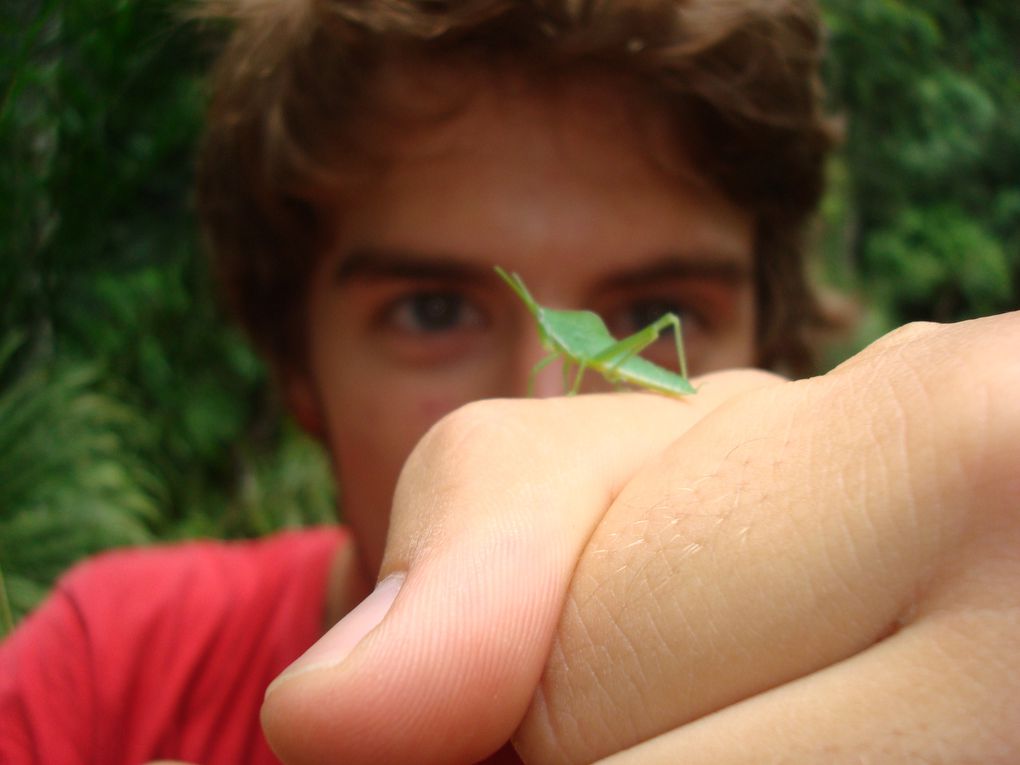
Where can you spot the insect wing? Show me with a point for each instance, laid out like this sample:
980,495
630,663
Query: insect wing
581,335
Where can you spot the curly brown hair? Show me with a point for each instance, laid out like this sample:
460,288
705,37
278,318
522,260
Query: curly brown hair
294,90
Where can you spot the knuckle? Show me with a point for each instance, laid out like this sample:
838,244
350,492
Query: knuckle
478,419
479,428
956,392
464,457
971,370
909,333
890,348
935,419
493,442
738,380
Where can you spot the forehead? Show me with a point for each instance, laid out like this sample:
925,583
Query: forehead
488,162
433,110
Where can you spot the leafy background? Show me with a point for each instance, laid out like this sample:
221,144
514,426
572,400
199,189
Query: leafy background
130,412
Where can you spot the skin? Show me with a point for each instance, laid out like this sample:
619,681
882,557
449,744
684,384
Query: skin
769,572
407,321
819,571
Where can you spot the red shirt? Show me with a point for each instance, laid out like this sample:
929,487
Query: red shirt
162,653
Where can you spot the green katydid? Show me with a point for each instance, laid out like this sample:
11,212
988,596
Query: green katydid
582,339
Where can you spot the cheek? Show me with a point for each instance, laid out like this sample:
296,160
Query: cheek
370,437
376,409
371,426
432,408
736,345
374,422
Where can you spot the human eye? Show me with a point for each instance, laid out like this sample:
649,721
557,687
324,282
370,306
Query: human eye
632,313
635,314
432,312
716,320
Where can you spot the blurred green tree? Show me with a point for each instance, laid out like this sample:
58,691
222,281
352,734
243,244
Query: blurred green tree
130,411
74,478
930,220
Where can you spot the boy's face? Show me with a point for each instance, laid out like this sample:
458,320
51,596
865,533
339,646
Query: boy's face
570,190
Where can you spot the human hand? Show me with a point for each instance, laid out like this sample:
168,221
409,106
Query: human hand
535,477
744,558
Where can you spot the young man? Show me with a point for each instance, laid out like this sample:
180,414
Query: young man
366,166
813,571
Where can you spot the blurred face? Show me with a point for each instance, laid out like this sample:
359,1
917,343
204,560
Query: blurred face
573,190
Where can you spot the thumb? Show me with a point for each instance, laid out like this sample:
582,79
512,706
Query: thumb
490,516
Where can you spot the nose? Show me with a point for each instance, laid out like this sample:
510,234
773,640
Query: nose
550,379
529,353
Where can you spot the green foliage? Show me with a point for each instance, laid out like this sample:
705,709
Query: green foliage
939,262
73,478
129,412
929,220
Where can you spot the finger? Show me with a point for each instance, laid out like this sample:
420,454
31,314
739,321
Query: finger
942,690
489,518
793,528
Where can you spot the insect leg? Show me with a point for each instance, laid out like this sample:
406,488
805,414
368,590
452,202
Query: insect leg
538,368
581,367
672,320
616,355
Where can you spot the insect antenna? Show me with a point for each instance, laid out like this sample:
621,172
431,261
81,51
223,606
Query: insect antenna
517,285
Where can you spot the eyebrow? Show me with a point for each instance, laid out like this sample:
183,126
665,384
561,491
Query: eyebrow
372,264
675,267
380,264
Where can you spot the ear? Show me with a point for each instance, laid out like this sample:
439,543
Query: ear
304,405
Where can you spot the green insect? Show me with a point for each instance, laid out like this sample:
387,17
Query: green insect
583,341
